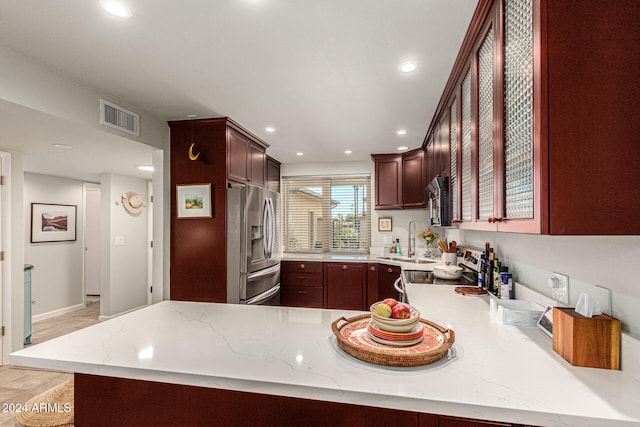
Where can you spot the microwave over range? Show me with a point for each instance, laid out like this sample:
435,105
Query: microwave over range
439,201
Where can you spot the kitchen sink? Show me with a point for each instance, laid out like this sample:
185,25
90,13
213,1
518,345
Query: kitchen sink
405,259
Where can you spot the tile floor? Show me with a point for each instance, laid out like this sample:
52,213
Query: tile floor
17,385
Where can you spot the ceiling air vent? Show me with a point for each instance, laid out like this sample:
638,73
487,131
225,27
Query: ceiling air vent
118,118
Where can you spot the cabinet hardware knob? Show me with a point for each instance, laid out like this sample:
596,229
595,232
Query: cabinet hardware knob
302,277
456,221
301,265
302,292
389,270
344,267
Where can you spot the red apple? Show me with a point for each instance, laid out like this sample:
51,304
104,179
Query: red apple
400,311
390,302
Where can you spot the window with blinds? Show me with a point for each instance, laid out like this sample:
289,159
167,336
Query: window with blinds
327,214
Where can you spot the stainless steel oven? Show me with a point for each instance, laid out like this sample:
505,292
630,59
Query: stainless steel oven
468,259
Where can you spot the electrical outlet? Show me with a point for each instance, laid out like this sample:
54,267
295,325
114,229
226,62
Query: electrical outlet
561,292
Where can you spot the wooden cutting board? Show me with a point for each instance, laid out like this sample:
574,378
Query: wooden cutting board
470,290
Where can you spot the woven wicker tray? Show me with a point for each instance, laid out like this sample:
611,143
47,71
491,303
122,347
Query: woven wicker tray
353,338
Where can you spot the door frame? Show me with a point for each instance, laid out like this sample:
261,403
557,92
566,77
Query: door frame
85,187
6,265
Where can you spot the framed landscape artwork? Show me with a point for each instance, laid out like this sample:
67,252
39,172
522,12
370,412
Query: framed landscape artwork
53,223
193,201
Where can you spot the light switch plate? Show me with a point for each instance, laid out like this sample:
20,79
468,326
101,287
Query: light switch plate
561,293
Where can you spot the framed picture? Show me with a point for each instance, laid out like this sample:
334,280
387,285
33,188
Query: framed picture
194,201
53,223
385,224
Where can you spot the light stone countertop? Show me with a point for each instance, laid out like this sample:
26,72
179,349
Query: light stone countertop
493,371
399,260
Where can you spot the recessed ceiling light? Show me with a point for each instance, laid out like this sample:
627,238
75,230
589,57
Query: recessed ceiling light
402,132
270,129
117,9
63,146
145,168
408,67
402,147
347,151
191,116
299,153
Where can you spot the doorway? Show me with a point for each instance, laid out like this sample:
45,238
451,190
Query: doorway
92,241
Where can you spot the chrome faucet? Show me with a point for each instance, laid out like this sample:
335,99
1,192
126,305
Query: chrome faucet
411,250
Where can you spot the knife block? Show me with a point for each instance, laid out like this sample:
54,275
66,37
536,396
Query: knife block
587,341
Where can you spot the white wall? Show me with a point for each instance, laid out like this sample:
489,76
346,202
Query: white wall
58,266
28,82
33,84
124,267
591,262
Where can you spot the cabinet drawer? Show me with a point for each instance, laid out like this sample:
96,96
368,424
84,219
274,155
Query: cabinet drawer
301,296
301,266
301,278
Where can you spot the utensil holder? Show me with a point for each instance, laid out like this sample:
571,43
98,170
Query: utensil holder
451,258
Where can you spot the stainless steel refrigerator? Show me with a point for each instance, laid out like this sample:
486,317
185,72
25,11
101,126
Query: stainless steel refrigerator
254,247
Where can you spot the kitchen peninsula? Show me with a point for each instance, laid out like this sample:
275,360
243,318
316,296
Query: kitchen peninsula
188,362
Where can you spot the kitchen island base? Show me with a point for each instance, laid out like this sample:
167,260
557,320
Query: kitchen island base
109,401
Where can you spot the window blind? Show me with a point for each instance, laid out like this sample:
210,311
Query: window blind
327,214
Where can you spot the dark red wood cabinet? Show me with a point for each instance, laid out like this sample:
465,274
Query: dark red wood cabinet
388,177
109,401
222,152
387,275
372,283
247,159
540,111
345,285
414,179
400,180
301,284
273,174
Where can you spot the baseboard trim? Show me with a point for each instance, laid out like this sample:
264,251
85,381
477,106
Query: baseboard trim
103,318
59,312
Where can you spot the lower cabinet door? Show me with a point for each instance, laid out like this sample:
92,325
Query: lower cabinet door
345,285
301,296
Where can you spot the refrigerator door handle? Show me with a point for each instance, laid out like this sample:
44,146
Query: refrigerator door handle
264,296
272,227
266,272
265,228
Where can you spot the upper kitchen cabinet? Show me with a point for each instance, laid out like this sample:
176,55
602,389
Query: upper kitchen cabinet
541,106
400,180
273,174
216,152
437,152
247,159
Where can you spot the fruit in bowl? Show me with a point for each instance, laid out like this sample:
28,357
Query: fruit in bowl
383,310
405,316
391,302
400,311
